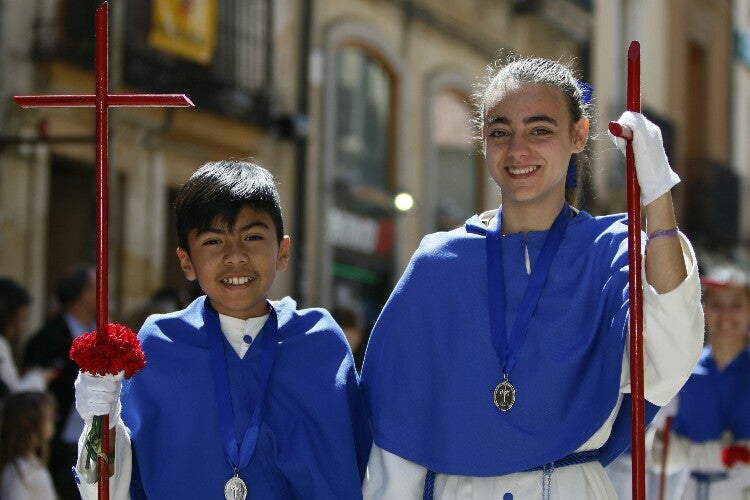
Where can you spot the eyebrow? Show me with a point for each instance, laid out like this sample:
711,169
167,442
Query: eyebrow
246,227
529,119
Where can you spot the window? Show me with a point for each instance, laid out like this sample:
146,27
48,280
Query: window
458,193
363,121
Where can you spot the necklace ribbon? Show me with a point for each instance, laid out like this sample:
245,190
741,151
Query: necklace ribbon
507,347
239,454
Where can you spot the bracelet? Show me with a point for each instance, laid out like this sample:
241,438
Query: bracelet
664,233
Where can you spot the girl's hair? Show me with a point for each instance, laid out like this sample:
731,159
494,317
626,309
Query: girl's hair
540,71
13,296
21,430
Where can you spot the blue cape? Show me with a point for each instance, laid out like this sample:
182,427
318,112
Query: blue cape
430,367
713,401
314,440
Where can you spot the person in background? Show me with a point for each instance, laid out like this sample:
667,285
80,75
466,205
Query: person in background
351,323
710,435
50,348
25,433
14,308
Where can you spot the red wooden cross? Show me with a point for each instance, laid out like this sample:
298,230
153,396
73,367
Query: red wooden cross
102,100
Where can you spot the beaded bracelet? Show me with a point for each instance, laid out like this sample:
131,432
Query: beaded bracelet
664,233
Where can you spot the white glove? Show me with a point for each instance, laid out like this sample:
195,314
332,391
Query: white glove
655,177
98,395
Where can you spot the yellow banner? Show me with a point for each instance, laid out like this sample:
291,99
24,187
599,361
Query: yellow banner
185,28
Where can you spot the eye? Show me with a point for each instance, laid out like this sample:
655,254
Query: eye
541,131
498,133
211,241
253,237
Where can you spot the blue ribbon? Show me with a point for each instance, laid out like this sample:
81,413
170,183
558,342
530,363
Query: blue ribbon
239,454
571,179
508,346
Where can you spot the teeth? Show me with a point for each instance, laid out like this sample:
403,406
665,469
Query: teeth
521,171
236,281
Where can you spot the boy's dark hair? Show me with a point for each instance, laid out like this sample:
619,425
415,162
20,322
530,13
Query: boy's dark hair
222,189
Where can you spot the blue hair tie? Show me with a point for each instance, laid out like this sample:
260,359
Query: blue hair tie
571,179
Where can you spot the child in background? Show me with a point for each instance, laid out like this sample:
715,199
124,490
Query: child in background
25,433
712,420
240,395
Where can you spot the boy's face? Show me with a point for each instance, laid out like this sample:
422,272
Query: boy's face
236,269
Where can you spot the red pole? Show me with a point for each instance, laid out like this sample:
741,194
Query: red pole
665,451
636,289
102,299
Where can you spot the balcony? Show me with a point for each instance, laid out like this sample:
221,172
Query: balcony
234,80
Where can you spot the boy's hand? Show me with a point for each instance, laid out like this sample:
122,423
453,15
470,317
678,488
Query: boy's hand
98,395
655,176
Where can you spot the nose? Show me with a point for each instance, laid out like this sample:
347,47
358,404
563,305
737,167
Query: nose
235,253
517,146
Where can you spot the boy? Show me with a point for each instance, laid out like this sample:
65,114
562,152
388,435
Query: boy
239,395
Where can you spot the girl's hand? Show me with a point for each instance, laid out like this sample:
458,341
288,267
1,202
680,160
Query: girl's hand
655,177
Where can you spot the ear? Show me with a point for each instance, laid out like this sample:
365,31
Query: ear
186,264
580,134
283,259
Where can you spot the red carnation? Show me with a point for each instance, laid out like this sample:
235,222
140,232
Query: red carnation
118,351
733,454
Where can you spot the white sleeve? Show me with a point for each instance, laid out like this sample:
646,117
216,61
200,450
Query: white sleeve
119,483
389,476
672,334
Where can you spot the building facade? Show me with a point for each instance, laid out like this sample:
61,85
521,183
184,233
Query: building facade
348,103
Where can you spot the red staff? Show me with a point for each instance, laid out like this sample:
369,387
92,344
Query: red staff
663,474
636,289
102,100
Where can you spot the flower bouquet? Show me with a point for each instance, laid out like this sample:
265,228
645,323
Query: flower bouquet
734,454
117,353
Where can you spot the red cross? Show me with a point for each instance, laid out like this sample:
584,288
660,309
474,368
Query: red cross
102,100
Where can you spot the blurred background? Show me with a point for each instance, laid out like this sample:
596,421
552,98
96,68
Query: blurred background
360,108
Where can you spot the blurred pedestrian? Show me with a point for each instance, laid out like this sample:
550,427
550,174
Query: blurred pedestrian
351,322
711,428
25,432
14,308
50,348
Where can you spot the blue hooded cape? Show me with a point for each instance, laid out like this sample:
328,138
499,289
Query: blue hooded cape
430,368
713,401
314,439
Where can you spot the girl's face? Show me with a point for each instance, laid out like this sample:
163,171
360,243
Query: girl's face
528,139
727,314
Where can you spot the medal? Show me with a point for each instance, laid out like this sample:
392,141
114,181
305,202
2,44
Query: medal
508,347
235,489
504,395
239,453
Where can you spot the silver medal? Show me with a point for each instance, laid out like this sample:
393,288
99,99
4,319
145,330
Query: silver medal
504,395
235,489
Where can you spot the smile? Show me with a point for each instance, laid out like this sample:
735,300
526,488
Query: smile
522,170
237,280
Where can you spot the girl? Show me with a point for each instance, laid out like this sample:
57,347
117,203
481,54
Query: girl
498,368
14,308
27,427
711,428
